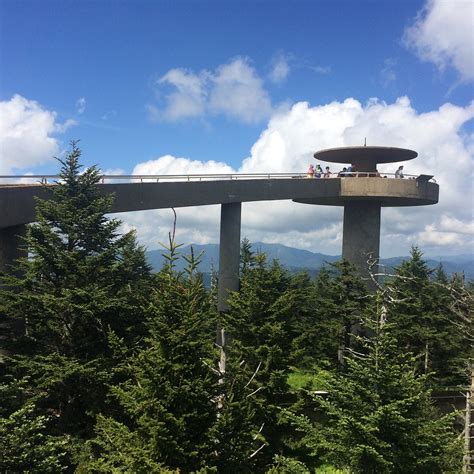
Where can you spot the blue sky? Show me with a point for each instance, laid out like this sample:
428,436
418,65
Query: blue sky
206,81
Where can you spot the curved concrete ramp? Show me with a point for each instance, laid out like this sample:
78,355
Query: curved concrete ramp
17,202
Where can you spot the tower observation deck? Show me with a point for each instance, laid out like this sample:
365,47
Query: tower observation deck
363,191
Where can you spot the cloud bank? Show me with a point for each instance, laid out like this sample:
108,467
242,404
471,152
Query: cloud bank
287,145
28,137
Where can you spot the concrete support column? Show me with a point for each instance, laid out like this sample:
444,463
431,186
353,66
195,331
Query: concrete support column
11,244
229,253
361,235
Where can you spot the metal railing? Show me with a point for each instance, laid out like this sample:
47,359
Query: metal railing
22,180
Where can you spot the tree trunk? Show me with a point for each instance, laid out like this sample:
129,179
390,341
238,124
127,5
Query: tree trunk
467,427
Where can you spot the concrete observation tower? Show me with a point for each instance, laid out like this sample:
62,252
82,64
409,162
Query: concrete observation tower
363,192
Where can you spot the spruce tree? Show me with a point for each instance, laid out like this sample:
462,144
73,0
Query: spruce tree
330,310
431,320
452,348
379,417
176,410
261,321
81,283
412,312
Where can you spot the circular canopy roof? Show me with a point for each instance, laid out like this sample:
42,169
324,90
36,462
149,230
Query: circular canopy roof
366,154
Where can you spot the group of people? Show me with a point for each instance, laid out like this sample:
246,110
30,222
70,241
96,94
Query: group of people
318,172
349,172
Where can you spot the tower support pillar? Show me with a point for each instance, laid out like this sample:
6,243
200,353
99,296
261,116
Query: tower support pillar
361,236
229,253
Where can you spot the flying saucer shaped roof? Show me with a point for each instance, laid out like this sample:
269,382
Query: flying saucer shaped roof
365,154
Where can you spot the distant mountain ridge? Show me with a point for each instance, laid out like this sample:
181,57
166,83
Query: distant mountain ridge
299,260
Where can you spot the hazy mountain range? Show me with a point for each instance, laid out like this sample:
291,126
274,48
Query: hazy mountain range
298,260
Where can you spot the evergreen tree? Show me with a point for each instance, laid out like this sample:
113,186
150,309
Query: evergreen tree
452,348
247,257
412,312
426,320
27,446
379,415
177,411
330,310
81,283
261,321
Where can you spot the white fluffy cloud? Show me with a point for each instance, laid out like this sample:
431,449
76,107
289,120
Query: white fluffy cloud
443,33
238,92
234,90
169,164
27,134
188,96
287,145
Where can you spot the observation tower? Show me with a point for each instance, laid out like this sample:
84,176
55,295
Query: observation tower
363,192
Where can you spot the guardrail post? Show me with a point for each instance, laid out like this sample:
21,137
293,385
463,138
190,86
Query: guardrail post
229,253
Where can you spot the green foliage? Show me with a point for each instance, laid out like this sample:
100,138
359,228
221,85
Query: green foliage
81,286
433,319
168,398
299,379
27,446
380,417
329,311
117,370
74,390
287,466
82,278
261,322
177,411
122,450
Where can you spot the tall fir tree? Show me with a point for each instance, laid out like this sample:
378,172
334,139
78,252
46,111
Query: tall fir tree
331,308
81,283
261,320
177,411
430,320
378,414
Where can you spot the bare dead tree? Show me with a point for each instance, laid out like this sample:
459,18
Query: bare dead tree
468,426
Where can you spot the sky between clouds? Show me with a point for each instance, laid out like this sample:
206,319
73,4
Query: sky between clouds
235,109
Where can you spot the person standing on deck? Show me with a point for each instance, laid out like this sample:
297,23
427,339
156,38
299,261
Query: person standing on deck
399,172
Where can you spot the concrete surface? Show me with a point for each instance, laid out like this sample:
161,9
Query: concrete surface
361,235
387,192
361,197
229,253
17,203
365,158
